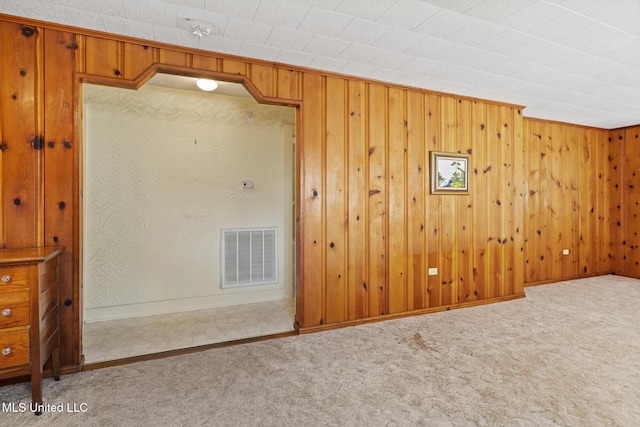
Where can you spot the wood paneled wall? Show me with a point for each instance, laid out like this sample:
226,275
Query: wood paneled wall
572,203
627,237
370,228
40,158
367,228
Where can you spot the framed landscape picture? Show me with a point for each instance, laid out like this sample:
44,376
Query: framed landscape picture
449,173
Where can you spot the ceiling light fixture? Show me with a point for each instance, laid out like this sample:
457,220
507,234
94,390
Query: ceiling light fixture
196,27
207,85
200,30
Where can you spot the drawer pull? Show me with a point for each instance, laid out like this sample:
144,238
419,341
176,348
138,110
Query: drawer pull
6,312
6,278
6,351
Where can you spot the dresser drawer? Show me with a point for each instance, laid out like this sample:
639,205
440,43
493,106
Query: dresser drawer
14,309
14,276
14,348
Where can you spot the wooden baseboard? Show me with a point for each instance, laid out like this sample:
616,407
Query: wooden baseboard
625,275
181,351
318,328
564,279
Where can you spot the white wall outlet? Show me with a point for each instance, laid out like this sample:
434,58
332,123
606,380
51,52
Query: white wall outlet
247,185
433,272
565,252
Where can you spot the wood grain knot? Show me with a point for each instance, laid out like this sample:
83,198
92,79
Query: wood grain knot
37,142
28,31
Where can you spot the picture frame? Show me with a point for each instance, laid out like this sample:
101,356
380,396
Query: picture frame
449,173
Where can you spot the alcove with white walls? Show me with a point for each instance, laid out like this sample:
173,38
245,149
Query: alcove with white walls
165,171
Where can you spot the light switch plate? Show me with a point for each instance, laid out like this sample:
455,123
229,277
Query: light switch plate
433,271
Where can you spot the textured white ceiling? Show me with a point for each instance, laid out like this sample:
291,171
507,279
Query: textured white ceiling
575,61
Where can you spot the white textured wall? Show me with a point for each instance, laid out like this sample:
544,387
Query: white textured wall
163,172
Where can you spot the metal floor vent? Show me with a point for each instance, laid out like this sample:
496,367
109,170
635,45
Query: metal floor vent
248,257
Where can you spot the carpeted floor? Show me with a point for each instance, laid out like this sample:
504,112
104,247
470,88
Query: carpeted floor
568,355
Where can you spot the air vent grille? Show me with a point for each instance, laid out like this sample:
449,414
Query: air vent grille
249,257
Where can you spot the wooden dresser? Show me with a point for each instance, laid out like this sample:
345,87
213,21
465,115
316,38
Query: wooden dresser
29,331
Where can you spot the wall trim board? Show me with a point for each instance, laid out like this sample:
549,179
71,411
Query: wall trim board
563,279
625,128
181,351
535,119
420,312
158,68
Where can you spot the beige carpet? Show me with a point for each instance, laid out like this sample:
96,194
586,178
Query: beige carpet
568,355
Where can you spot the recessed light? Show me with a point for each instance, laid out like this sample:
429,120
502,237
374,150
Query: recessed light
207,85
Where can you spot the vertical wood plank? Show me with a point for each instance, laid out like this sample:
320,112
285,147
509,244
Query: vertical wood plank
20,112
433,141
552,203
494,202
520,191
586,235
548,196
599,198
378,279
288,82
464,222
617,147
480,167
507,200
263,78
570,237
336,206
235,67
61,175
631,229
104,57
137,59
173,57
358,283
310,300
416,194
208,63
603,200
397,148
533,197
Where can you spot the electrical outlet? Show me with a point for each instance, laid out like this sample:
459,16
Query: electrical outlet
565,252
433,272
247,185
